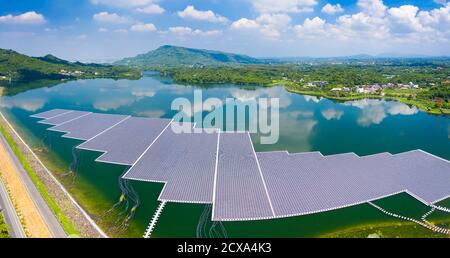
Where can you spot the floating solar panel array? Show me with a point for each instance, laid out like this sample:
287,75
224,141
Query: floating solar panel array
222,168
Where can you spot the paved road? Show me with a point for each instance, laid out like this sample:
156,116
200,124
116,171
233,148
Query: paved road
52,223
9,213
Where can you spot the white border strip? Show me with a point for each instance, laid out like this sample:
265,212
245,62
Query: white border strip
215,176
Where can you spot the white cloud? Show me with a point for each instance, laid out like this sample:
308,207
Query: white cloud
332,9
121,31
187,31
244,23
122,3
24,18
372,7
143,27
191,13
278,21
311,28
395,26
283,6
102,30
273,24
151,9
111,18
269,25
179,30
405,19
440,1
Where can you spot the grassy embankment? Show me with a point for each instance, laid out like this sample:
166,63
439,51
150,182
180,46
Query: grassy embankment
65,222
401,229
3,227
385,230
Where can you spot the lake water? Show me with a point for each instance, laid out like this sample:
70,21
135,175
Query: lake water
306,124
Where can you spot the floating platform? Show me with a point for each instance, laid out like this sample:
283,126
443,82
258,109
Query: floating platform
223,169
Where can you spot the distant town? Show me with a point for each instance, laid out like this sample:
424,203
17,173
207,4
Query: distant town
367,88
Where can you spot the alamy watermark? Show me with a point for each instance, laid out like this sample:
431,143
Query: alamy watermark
257,116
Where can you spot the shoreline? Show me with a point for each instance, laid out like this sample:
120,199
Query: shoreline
360,97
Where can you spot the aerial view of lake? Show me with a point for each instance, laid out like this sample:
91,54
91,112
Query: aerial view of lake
307,123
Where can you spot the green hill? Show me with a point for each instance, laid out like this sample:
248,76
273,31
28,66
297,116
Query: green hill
17,67
172,56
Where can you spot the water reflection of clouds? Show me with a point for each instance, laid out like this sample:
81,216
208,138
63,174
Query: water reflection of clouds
143,92
299,113
375,111
109,100
112,103
152,113
312,98
30,104
275,92
177,89
296,129
330,114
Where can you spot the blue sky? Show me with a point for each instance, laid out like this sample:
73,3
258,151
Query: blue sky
93,30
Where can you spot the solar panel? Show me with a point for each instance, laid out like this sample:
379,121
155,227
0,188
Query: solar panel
66,117
223,168
86,127
124,143
186,162
51,113
239,192
424,175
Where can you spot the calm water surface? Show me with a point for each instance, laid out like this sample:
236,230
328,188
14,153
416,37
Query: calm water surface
307,124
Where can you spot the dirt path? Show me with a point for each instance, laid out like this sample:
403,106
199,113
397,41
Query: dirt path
33,222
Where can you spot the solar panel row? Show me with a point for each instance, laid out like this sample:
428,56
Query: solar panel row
185,162
222,168
63,118
124,143
88,126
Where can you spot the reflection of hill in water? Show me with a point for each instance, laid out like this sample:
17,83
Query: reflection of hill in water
14,88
